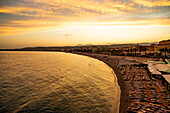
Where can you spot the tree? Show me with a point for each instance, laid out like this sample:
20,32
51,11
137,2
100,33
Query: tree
140,48
164,50
131,51
143,49
135,50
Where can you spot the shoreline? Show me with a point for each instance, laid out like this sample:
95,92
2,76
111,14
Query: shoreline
139,90
124,88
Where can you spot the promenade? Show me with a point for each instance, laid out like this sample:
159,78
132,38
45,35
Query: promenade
146,94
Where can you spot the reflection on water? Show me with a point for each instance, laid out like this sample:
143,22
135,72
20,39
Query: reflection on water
56,82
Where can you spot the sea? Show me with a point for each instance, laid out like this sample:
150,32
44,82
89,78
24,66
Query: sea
56,82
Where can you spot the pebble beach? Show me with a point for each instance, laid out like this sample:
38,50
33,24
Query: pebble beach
140,93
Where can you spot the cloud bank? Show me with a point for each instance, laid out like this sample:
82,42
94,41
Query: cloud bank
27,15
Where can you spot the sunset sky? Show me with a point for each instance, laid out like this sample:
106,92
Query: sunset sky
26,23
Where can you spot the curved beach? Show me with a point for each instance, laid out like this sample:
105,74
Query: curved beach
124,88
124,97
140,91
57,82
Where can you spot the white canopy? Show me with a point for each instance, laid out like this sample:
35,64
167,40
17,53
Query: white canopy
167,77
162,67
153,70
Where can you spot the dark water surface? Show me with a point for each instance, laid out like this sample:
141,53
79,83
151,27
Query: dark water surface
56,82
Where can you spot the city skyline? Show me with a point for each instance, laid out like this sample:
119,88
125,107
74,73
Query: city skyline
26,23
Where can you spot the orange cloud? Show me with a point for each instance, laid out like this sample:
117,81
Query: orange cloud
152,3
55,8
21,27
56,13
76,8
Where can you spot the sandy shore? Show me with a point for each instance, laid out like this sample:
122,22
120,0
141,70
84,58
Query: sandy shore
124,97
140,92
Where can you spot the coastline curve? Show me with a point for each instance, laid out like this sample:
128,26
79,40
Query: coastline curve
123,87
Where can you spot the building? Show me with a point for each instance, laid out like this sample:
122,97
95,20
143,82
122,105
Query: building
164,47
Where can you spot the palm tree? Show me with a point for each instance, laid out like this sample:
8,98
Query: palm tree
135,50
131,51
140,48
164,50
143,49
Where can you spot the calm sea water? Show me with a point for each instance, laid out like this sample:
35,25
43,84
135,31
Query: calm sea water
56,82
